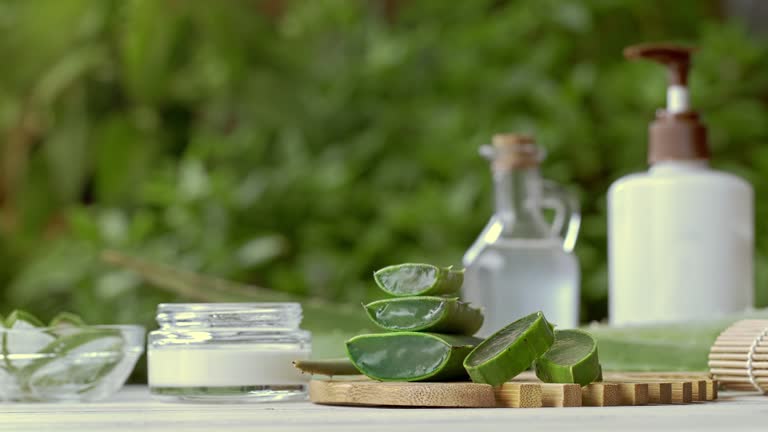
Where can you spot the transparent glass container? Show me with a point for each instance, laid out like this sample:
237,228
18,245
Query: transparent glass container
521,262
228,352
67,363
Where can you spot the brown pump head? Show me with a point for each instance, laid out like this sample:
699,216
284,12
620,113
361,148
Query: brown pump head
676,133
677,58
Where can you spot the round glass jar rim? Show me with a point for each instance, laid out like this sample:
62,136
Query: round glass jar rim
229,315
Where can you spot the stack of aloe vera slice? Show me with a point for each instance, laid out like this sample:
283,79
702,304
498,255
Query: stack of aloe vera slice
429,329
430,336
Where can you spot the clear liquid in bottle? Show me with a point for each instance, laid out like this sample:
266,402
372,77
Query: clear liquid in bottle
521,263
512,278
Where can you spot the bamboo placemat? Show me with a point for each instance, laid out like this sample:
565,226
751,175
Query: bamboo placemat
739,357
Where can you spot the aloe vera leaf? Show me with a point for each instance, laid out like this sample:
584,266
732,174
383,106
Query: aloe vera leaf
320,315
329,367
410,356
413,279
571,359
660,347
66,319
80,359
446,315
24,337
19,316
682,346
65,323
510,350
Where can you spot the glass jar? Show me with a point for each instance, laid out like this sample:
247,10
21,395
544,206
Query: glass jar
228,352
521,263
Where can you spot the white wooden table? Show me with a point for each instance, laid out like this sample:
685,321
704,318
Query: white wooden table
133,410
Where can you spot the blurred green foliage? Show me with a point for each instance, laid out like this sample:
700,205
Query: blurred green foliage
299,145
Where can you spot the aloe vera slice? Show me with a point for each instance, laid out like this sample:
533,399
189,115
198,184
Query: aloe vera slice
424,313
77,360
410,356
419,279
572,359
25,338
510,350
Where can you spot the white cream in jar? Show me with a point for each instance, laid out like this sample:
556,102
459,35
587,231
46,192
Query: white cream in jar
228,351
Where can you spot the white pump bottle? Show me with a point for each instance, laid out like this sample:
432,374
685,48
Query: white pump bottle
680,236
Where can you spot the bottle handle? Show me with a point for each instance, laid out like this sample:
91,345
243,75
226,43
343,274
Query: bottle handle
567,212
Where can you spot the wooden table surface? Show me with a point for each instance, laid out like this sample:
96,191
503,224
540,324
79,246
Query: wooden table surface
133,410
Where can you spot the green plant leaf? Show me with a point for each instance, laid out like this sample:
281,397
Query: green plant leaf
66,319
19,319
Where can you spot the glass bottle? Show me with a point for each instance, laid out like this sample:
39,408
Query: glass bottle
521,263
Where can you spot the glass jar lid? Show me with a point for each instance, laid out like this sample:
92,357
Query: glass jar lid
229,315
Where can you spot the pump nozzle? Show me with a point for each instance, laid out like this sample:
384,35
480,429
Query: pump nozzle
677,133
677,59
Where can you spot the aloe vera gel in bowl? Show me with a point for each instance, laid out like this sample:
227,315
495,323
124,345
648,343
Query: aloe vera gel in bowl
65,360
228,352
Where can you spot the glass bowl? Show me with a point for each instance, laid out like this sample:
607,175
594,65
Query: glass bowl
67,364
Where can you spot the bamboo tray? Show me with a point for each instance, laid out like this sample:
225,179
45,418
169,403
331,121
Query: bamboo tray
523,392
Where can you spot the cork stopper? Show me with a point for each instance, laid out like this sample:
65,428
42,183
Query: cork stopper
515,151
676,133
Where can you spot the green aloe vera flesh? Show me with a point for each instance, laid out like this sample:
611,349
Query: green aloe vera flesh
67,319
77,359
572,359
423,313
18,317
23,340
419,279
510,351
411,356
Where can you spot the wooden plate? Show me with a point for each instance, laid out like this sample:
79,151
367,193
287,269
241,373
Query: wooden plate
402,394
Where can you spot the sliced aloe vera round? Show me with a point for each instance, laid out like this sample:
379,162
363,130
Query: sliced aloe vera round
410,356
424,313
510,351
412,279
572,359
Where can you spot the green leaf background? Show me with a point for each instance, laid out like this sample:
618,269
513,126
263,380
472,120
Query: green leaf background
301,144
